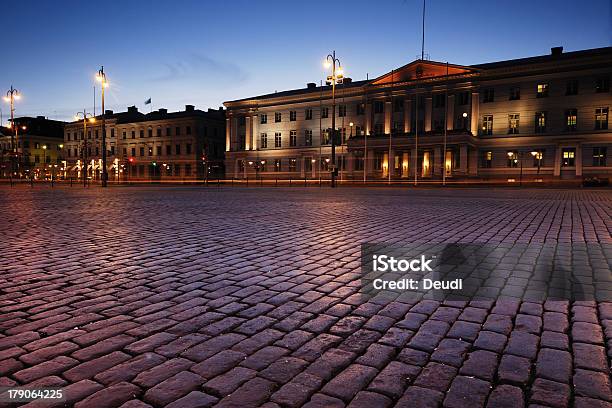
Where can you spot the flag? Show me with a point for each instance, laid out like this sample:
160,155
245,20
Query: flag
148,101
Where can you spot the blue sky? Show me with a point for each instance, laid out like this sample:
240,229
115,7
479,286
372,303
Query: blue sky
206,52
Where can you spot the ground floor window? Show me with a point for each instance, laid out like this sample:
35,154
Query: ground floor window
568,157
292,164
307,164
359,163
513,158
277,165
325,163
378,161
241,165
487,159
599,156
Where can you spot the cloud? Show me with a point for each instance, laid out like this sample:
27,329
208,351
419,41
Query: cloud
195,65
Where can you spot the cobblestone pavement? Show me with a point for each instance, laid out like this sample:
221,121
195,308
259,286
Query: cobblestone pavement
187,297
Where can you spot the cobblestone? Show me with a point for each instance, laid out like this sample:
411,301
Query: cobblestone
195,297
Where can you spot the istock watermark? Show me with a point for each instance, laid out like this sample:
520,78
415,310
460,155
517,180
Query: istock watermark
455,271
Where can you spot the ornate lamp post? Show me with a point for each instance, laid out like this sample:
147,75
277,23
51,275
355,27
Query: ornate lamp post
336,76
12,95
101,77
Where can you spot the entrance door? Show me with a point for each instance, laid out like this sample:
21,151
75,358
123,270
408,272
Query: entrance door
426,168
448,163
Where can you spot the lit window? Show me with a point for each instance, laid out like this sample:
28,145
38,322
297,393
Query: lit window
263,118
599,156
542,90
292,116
571,116
277,139
277,117
569,157
487,125
293,138
308,138
264,140
601,118
540,122
513,123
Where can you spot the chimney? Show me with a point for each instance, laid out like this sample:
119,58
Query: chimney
108,112
40,117
189,108
556,50
311,85
132,109
348,80
163,111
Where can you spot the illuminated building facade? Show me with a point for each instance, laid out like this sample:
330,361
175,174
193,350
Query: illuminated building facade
540,118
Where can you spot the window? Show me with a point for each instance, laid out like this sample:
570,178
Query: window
168,131
141,133
513,123
264,140
112,132
487,125
188,131
398,105
96,133
342,111
292,164
438,100
158,150
571,116
538,157
133,151
515,93
361,109
599,156
68,136
359,131
168,150
293,138
602,85
278,139
568,157
178,131
308,138
308,114
601,118
378,129
542,91
379,107
133,134
513,158
242,141
307,164
177,149
540,122
342,135
277,165
263,118
487,159
124,134
150,151
278,117
188,148
463,98
324,113
292,116
571,87
158,132
489,95
150,132
141,151
325,139
241,121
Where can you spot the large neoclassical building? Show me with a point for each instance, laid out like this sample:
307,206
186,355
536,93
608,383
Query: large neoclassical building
539,118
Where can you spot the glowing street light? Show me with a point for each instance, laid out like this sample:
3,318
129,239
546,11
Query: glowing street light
337,75
12,95
101,77
86,117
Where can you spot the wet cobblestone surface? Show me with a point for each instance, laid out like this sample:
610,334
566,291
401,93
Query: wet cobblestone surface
230,297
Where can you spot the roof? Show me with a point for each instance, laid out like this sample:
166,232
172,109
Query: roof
417,67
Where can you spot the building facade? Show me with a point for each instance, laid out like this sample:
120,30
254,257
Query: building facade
542,118
38,148
157,146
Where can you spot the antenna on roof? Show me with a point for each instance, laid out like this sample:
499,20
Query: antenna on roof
423,36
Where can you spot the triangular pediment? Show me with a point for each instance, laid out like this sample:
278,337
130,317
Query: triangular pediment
421,69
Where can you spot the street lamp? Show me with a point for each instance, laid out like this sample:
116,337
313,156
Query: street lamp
87,117
337,74
351,124
44,166
101,77
12,95
517,157
537,154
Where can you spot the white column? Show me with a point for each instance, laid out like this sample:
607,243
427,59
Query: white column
428,114
578,161
407,115
388,116
475,113
228,132
254,127
249,134
557,168
234,133
450,113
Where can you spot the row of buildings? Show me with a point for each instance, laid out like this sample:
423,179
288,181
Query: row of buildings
539,118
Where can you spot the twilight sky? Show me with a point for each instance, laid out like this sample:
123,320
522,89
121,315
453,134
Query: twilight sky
206,52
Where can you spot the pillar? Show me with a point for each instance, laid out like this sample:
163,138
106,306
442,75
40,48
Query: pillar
437,161
407,115
475,113
368,118
450,113
427,124
388,116
254,127
557,168
249,134
228,132
578,160
234,133
463,158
